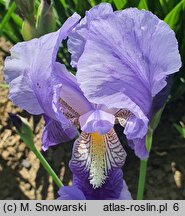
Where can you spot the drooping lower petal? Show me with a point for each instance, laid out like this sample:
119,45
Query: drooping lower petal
114,188
96,155
70,193
122,115
54,133
139,147
125,193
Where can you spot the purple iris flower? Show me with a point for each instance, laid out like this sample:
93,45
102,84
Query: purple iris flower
122,59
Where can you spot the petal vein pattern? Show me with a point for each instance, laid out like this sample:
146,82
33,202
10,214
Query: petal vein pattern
96,155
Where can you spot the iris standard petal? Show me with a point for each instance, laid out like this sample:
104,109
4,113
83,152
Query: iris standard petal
78,36
16,71
19,61
159,47
23,96
125,62
68,96
162,96
29,70
32,62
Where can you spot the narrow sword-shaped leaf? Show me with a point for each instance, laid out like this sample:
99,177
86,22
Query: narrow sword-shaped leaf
174,16
120,3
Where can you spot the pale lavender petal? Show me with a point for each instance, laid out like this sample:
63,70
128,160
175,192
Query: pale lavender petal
125,193
158,45
78,36
68,99
126,60
139,147
16,74
162,96
30,67
97,121
54,134
23,96
18,62
29,70
43,68
70,193
134,128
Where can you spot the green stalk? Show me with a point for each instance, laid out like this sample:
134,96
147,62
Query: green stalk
18,21
143,166
143,163
7,16
47,167
26,135
4,85
43,161
142,179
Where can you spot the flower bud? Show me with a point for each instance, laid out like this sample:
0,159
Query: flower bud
28,31
23,129
26,7
46,21
7,3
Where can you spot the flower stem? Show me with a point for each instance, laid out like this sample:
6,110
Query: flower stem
26,134
142,179
4,86
143,166
47,167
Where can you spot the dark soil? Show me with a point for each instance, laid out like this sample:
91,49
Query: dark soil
22,176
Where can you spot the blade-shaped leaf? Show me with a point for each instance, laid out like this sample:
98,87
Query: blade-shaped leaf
174,16
143,4
164,6
120,3
180,129
7,16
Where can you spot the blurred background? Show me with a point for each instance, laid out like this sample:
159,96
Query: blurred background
21,175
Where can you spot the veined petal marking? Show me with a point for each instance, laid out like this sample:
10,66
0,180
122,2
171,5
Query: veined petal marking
69,112
115,153
97,155
121,116
81,158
